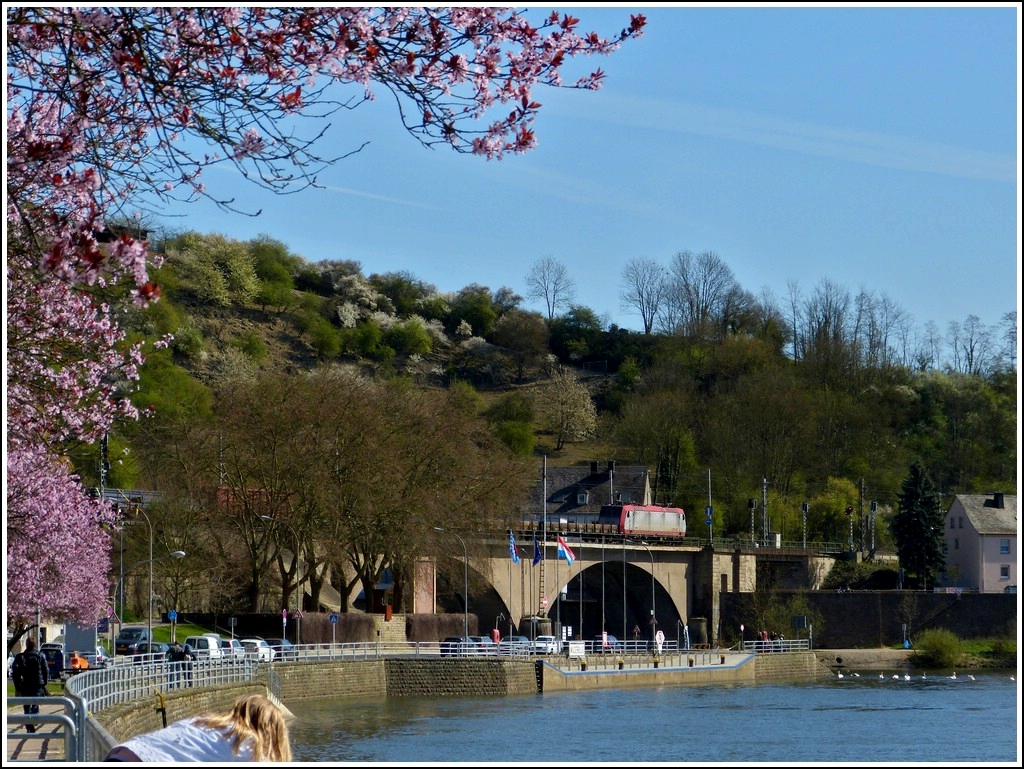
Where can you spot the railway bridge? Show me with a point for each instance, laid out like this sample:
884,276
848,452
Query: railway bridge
627,586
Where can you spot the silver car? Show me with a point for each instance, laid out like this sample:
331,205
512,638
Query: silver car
515,645
233,649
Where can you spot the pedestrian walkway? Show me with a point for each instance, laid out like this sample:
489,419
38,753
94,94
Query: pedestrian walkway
47,744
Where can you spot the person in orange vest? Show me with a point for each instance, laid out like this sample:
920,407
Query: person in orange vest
78,663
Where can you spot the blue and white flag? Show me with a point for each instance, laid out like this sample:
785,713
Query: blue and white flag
512,547
536,550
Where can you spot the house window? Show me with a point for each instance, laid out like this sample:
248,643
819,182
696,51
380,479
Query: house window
1004,546
581,498
1004,571
961,522
952,522
945,547
956,543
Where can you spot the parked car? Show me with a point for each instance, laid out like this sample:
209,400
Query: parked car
233,649
98,658
515,645
206,646
458,646
128,638
283,649
259,649
484,644
56,662
151,651
547,644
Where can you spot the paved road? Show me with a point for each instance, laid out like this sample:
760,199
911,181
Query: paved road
47,744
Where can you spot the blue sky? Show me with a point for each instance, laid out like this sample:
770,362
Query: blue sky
875,147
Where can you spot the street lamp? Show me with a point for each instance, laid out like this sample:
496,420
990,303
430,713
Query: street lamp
653,620
149,606
177,554
465,580
295,557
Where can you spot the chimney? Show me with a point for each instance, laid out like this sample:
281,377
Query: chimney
593,468
997,500
611,466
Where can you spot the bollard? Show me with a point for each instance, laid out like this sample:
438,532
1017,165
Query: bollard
583,663
723,658
690,660
656,660
621,663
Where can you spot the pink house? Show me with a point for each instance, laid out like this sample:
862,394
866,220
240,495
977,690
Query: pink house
980,543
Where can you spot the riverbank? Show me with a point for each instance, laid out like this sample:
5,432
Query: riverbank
882,658
888,659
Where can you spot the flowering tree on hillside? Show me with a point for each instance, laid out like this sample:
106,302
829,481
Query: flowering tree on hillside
113,109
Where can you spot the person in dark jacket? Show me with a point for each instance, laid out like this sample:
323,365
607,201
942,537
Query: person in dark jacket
30,674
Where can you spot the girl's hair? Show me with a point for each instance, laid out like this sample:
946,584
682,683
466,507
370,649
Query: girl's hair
254,717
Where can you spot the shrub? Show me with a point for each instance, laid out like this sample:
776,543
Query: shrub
252,345
938,648
518,436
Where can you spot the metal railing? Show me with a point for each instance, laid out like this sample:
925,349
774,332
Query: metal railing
127,682
69,724
777,646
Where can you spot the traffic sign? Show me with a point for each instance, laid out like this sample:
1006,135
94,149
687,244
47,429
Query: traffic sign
708,511
332,618
172,615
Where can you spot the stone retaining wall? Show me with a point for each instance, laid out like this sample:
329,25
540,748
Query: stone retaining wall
125,721
795,666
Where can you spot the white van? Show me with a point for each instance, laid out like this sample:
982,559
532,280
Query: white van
206,646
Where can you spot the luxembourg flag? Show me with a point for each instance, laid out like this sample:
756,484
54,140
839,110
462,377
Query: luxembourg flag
564,551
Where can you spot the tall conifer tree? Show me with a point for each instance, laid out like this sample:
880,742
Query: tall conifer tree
917,526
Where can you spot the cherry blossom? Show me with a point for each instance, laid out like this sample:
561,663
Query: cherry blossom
117,109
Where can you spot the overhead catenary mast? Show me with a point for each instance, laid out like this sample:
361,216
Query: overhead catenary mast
544,534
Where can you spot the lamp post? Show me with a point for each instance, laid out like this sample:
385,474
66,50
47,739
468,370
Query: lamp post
149,606
295,557
177,554
465,580
653,620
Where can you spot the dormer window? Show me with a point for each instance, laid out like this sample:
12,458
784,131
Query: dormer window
582,497
623,497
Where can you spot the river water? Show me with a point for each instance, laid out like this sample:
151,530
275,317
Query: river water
934,719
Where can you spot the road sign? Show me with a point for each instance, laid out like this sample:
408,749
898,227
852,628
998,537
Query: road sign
332,618
172,615
708,512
